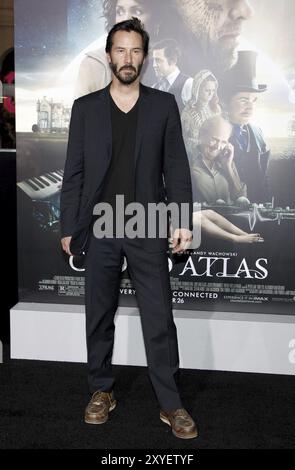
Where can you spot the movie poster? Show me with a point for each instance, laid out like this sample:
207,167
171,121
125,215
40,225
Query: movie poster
230,65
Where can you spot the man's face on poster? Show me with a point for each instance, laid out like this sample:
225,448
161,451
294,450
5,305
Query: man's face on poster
161,65
218,25
126,57
242,107
215,139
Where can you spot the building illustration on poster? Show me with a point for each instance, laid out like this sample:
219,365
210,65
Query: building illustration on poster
237,107
52,117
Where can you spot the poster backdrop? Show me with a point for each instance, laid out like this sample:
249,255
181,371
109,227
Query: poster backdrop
223,58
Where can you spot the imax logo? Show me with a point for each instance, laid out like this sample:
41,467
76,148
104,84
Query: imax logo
292,351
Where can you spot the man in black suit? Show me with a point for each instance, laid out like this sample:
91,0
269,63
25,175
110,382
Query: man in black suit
126,140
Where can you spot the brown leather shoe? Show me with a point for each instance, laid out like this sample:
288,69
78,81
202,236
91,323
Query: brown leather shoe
181,422
97,410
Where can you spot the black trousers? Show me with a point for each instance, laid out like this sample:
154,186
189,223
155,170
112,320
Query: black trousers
150,276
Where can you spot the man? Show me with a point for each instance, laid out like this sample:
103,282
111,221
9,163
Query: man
214,175
215,27
166,56
126,139
241,94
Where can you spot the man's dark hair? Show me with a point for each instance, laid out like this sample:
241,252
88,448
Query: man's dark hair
171,49
134,24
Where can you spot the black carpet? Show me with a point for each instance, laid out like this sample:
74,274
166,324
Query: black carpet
42,406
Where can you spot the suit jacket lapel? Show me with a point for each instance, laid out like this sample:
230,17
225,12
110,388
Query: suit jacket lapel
142,119
105,118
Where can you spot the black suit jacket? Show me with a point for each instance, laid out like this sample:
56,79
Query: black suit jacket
161,166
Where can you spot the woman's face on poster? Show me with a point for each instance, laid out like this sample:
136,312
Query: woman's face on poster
125,9
207,91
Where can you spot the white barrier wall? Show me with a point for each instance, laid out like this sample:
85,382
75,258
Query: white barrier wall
211,341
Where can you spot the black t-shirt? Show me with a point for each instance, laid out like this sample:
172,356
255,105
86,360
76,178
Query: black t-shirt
120,177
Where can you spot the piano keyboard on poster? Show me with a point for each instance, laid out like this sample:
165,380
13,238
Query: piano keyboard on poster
42,187
44,193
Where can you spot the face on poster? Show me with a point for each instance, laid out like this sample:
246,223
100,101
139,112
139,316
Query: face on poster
230,66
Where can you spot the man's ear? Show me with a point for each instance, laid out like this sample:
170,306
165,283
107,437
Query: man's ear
108,57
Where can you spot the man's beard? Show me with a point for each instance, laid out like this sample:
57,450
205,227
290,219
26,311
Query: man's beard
221,58
217,56
128,79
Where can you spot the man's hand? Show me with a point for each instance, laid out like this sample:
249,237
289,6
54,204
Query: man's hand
182,239
227,156
65,243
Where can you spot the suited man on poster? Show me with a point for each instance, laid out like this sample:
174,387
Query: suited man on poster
126,140
241,92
